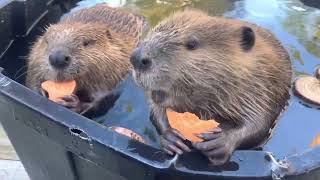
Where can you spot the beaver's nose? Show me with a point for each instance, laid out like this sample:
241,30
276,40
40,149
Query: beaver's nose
139,61
59,59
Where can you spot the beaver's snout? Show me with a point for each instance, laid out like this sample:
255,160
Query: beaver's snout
139,61
59,59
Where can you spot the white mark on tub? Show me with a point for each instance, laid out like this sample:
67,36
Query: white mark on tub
79,133
297,8
172,162
278,168
4,81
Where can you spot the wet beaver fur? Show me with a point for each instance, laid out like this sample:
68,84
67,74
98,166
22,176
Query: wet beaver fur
218,68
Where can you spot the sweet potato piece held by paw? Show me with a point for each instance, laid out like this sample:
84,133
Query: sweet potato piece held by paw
189,124
57,90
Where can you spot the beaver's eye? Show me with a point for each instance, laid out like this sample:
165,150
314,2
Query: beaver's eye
192,44
87,42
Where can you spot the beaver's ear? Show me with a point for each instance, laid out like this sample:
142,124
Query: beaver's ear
109,35
247,38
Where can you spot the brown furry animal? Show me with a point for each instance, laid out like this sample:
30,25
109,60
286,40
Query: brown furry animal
232,71
91,46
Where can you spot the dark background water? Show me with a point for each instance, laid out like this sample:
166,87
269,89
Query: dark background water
298,28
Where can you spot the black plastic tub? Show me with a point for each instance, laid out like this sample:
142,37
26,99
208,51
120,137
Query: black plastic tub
55,144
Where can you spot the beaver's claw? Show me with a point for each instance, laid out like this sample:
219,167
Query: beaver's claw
172,142
217,146
73,103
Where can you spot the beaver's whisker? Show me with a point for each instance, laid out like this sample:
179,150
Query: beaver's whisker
19,70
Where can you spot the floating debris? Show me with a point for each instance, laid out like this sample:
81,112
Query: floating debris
315,142
128,133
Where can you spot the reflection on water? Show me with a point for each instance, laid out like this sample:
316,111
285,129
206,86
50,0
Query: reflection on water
156,10
295,25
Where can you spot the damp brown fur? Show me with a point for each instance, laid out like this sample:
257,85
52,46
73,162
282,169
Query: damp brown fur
226,69
98,42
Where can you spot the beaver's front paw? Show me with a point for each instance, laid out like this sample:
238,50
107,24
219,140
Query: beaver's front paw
217,146
172,142
71,102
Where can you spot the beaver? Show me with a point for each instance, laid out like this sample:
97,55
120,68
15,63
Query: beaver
91,46
217,68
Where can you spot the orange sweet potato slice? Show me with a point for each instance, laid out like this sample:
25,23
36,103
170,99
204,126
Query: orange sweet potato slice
56,90
189,124
315,142
128,133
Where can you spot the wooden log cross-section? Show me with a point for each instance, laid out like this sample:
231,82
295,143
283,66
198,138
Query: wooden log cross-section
308,88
